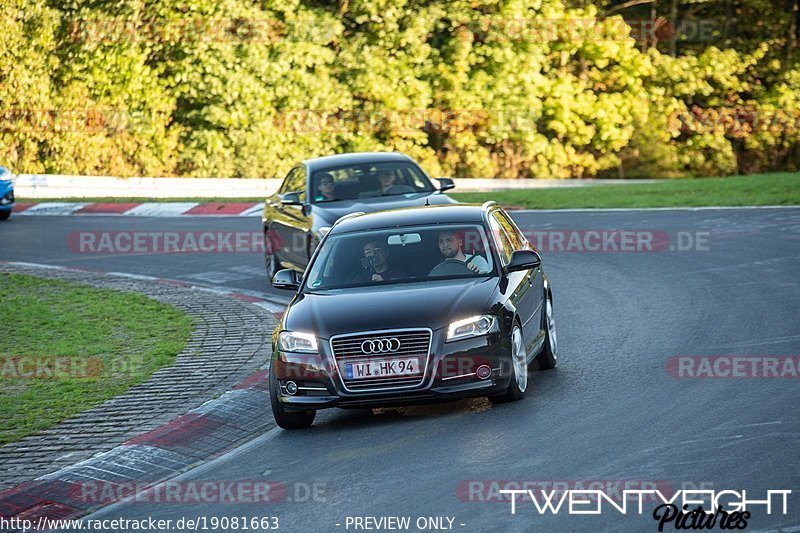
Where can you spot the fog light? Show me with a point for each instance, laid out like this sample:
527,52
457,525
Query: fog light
291,388
483,371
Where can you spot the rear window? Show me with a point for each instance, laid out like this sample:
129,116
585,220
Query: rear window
368,180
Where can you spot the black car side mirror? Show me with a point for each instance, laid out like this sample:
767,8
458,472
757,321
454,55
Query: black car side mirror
291,198
445,184
523,260
286,279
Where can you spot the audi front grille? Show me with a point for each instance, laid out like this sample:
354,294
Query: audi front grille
367,346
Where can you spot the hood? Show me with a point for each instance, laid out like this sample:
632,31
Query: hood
333,211
404,305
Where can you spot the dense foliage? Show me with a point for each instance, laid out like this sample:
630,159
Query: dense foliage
489,88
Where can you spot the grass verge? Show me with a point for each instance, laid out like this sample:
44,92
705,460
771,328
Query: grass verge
67,347
760,189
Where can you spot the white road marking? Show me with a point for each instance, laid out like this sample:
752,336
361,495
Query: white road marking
255,271
132,276
762,424
38,265
216,276
53,208
272,308
255,210
160,209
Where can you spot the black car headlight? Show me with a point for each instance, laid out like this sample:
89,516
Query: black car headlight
474,326
295,341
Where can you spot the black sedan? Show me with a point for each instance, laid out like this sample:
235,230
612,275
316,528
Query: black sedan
410,306
317,192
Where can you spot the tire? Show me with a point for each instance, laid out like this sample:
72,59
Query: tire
519,369
547,358
5,214
287,419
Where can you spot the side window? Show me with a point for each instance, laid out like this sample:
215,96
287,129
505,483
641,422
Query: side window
295,181
287,181
504,245
518,241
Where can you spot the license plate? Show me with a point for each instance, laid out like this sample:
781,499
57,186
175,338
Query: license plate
382,368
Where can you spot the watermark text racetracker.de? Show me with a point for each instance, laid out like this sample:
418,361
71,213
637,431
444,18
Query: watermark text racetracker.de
499,490
155,242
50,367
546,240
204,491
734,366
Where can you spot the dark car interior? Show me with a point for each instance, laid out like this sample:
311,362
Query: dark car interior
422,260
361,181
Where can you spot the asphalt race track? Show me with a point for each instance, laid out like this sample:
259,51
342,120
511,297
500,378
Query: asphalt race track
616,410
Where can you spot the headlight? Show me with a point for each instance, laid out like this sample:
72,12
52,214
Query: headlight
294,341
473,326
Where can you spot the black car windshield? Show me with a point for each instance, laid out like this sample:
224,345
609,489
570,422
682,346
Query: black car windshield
368,180
400,255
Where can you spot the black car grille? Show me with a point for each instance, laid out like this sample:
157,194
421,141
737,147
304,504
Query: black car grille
413,343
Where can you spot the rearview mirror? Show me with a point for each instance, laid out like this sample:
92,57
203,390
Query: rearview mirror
291,198
286,279
403,239
445,184
523,260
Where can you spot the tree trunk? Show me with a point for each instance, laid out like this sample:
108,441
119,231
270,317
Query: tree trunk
673,19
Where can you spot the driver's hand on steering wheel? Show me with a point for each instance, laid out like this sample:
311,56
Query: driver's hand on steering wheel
472,267
377,277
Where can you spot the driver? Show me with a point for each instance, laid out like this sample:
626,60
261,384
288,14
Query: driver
376,264
386,178
325,188
451,245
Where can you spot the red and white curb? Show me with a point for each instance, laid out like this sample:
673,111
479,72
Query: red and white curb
146,209
246,209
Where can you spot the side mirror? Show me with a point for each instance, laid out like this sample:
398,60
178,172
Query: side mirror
291,198
523,260
286,279
445,184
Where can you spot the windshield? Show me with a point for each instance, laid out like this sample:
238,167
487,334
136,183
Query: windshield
400,255
368,180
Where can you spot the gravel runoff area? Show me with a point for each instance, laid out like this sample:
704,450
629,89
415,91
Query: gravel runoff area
229,344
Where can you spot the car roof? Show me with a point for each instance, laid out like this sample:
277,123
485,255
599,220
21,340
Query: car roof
413,216
354,159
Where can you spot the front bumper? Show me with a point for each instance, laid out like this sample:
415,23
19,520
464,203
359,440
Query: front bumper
450,374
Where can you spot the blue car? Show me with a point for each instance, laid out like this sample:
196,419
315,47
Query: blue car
6,193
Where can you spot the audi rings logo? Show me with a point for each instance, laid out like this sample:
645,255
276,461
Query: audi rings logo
380,345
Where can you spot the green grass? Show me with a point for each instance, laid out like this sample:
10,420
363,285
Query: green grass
121,338
761,189
757,189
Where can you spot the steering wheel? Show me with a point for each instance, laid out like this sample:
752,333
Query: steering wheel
450,267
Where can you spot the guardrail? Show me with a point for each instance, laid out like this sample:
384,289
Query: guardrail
32,186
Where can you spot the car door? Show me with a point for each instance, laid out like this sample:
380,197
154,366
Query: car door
524,295
535,278
290,227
